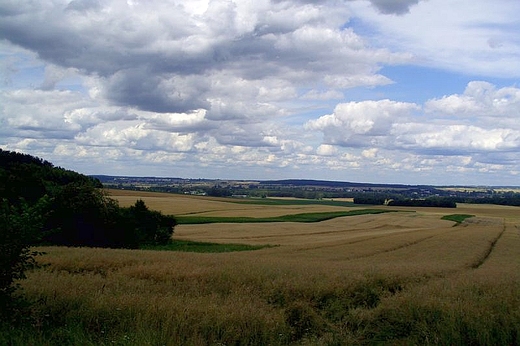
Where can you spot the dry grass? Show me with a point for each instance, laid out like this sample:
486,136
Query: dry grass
408,278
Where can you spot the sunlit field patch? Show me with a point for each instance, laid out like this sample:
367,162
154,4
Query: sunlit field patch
187,205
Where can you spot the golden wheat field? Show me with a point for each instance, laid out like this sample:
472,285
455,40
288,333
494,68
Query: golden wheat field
405,277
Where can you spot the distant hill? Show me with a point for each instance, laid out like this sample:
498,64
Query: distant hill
110,179
337,184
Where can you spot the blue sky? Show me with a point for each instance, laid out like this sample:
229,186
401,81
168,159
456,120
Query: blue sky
403,91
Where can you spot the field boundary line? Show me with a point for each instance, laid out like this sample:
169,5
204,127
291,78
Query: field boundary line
398,247
395,248
482,260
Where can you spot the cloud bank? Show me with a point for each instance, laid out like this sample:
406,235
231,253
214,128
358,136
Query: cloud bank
264,89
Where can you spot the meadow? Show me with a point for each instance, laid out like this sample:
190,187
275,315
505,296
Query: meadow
410,276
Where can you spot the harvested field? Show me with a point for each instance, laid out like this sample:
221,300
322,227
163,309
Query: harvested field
411,239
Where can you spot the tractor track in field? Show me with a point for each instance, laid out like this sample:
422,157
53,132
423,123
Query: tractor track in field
490,249
395,248
338,232
399,247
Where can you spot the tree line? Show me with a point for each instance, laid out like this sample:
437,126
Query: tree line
376,199
44,204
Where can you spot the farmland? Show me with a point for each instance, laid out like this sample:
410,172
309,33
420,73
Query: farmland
409,276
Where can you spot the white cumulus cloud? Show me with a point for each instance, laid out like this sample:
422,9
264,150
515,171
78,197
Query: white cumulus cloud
264,89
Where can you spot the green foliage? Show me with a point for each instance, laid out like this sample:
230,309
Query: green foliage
502,198
397,200
148,227
303,217
217,191
435,202
30,178
19,228
83,216
369,198
42,203
78,212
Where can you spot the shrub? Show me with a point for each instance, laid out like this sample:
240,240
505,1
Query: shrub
19,229
148,227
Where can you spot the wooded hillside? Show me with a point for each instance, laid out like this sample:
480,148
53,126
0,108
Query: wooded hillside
43,204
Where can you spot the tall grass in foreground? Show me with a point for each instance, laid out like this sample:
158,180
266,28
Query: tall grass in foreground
135,297
271,296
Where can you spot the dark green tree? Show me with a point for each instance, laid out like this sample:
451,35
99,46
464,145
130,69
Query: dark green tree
19,229
84,216
79,213
150,227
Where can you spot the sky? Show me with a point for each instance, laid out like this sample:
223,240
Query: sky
376,91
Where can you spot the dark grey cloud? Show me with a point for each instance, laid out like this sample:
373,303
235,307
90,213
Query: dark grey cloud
398,7
139,88
84,5
165,56
246,135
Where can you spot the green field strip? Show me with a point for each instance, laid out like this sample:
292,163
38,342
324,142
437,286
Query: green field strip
303,217
273,201
204,247
458,218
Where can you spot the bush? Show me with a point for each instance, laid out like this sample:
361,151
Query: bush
148,227
19,229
